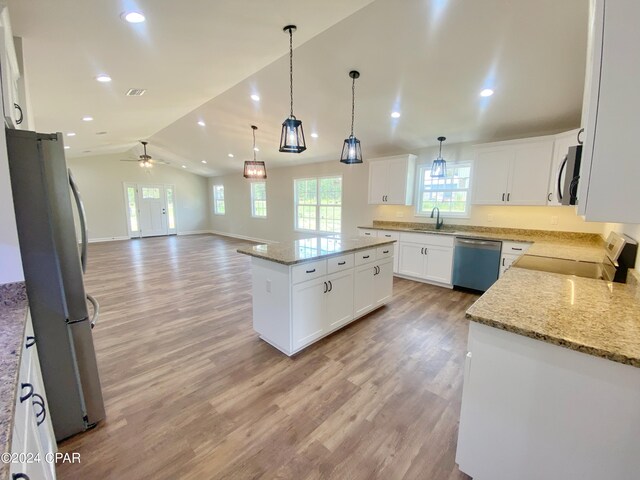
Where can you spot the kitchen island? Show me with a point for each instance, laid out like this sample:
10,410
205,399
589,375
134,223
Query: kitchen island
552,380
305,290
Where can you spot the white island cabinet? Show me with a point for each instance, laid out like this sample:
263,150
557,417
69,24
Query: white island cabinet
304,292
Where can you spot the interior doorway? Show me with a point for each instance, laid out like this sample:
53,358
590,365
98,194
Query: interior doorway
151,209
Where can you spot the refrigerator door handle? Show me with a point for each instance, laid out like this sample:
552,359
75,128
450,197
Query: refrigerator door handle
96,309
83,222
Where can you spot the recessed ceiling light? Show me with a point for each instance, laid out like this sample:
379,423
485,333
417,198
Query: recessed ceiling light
255,98
314,135
230,155
201,123
487,92
67,147
87,118
256,149
103,78
133,17
71,134
184,166
395,114
203,161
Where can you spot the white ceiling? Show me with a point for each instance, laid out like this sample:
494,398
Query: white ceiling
428,59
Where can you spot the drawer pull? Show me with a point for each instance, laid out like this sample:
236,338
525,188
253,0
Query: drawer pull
310,271
20,476
367,233
388,236
385,251
31,341
26,396
342,263
518,249
365,256
42,414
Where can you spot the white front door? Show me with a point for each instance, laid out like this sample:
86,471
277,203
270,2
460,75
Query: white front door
153,210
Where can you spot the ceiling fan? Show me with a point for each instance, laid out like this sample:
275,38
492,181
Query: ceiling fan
145,160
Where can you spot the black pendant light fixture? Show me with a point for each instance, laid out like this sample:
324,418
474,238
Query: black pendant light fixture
351,151
439,165
292,137
254,170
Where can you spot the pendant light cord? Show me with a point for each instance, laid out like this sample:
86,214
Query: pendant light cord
353,103
291,67
440,154
254,142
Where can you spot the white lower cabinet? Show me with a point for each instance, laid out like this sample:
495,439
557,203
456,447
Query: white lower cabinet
33,436
532,410
426,257
296,306
511,251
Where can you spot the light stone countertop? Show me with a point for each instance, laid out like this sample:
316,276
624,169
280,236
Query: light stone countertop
584,247
590,316
311,249
13,316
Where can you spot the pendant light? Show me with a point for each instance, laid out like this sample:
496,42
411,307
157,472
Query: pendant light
292,137
439,165
351,151
254,170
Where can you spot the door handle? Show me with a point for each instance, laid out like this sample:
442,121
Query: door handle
388,236
385,251
330,285
365,257
549,197
96,310
27,395
164,212
342,263
42,414
310,271
503,197
508,196
422,251
31,341
83,222
503,261
326,287
19,120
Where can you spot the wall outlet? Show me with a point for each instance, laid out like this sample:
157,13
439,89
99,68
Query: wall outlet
399,214
554,220
490,217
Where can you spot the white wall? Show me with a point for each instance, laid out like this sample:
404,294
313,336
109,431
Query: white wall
100,179
356,211
10,261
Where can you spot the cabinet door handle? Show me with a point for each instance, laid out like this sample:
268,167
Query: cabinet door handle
366,256
385,251
508,196
342,263
31,341
549,197
388,236
422,251
42,414
27,395
19,120
20,476
516,248
367,233
426,251
310,271
503,197
503,261
330,285
326,287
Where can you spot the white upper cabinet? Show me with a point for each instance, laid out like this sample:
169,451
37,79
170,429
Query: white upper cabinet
610,170
11,82
391,180
513,173
560,149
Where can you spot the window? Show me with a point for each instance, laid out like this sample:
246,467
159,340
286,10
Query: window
218,199
259,199
318,204
150,193
450,194
171,210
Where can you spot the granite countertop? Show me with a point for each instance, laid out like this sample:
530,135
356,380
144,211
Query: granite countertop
310,249
585,247
591,316
13,315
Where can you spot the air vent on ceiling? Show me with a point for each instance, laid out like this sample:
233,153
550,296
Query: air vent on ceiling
101,133
135,92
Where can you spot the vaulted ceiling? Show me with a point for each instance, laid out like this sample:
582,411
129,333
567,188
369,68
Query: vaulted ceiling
200,61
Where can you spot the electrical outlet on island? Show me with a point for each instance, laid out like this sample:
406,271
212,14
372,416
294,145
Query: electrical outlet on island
490,217
554,220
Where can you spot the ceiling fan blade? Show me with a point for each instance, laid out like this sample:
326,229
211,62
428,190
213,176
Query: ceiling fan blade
128,160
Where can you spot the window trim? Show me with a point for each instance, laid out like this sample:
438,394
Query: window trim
317,205
418,190
215,201
253,204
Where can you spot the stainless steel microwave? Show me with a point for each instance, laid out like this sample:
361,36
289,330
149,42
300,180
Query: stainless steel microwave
568,176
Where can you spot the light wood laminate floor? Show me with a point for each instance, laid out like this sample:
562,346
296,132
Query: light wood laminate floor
192,392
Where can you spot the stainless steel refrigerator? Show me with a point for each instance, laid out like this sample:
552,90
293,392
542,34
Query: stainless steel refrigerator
53,269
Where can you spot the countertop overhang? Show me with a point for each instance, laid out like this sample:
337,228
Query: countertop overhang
311,249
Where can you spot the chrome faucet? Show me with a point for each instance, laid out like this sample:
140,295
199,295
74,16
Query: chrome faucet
439,222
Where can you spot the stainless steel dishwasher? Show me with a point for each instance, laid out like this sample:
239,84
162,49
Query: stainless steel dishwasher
476,263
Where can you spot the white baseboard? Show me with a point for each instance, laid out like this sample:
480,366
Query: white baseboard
108,239
241,237
193,232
